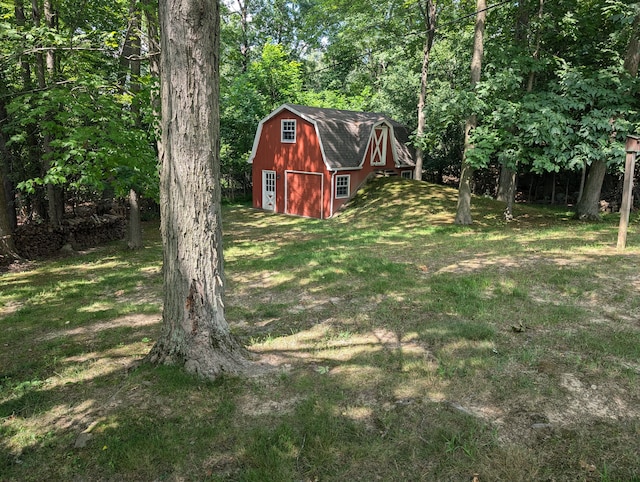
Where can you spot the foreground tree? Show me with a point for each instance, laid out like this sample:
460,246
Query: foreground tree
195,333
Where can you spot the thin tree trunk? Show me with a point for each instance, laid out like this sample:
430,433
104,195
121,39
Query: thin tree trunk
150,8
429,15
34,152
54,195
632,58
135,226
583,177
508,176
135,223
463,212
243,6
194,333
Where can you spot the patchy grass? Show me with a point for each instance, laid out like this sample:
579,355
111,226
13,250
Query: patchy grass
403,347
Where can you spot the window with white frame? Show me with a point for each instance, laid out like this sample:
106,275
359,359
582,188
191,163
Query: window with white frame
407,175
342,186
288,131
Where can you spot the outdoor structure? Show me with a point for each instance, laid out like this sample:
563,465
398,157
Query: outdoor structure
309,161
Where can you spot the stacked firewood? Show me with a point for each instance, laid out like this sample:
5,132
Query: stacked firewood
39,240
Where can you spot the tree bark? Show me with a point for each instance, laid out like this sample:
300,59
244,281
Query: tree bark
7,209
429,15
507,189
583,177
463,212
588,208
195,333
135,225
632,57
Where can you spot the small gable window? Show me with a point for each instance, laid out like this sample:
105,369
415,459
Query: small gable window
288,132
342,186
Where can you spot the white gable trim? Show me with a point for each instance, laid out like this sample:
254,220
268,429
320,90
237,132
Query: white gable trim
391,138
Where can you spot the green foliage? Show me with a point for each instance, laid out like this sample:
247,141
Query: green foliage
584,117
95,140
98,133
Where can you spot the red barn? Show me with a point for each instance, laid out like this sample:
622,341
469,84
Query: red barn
309,161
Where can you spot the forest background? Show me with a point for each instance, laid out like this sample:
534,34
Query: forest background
557,97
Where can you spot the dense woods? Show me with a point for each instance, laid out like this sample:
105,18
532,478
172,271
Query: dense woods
557,96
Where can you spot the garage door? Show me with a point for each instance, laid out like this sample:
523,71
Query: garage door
304,194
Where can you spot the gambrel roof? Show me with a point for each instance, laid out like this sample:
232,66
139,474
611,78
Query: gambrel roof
344,135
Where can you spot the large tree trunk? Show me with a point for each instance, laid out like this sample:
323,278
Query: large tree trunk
429,15
463,212
507,190
6,161
589,206
195,333
7,210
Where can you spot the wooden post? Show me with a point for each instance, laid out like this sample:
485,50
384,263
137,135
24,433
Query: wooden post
632,148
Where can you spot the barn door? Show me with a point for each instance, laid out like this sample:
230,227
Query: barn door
379,146
269,190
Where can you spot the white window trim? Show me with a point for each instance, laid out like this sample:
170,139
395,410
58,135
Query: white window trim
348,186
406,175
283,122
379,146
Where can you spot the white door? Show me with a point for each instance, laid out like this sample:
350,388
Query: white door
269,190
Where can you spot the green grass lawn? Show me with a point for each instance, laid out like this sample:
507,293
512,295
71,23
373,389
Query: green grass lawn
400,347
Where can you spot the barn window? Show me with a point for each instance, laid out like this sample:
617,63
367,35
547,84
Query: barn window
406,175
288,133
342,186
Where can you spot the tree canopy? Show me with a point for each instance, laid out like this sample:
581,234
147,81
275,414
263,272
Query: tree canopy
558,94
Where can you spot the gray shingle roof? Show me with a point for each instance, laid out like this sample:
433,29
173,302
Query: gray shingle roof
345,135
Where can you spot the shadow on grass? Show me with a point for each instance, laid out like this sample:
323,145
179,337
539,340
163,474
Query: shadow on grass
159,422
